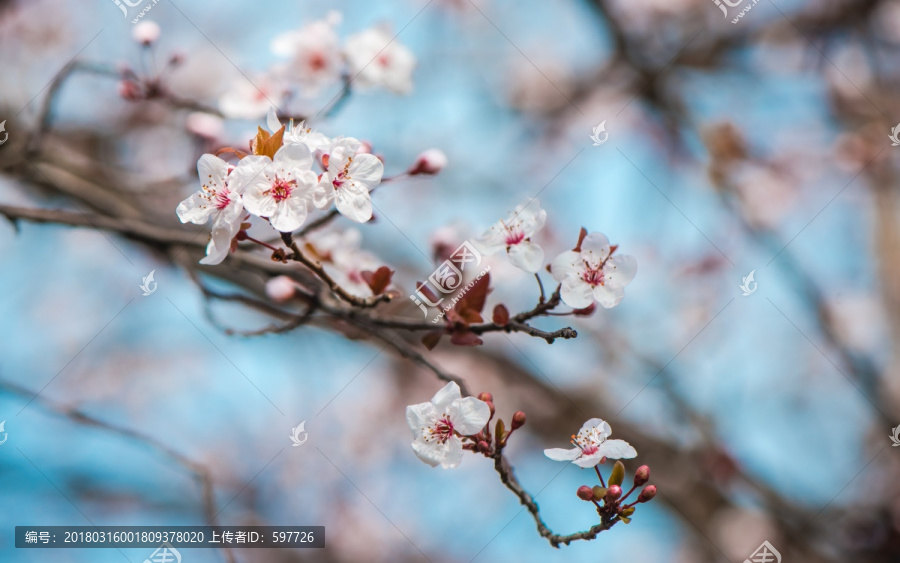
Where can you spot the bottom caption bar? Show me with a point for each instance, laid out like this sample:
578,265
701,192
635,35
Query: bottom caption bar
181,537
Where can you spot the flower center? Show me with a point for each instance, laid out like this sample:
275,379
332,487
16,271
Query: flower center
441,431
588,441
281,189
514,236
593,276
317,61
222,199
384,60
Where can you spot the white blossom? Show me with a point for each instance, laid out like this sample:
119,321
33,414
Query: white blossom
348,179
377,59
592,445
514,235
298,134
314,54
593,273
218,201
437,425
279,189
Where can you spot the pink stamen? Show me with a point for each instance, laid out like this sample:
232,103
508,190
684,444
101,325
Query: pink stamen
281,189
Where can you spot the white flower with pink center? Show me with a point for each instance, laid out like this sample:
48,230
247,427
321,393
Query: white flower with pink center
279,189
348,179
593,273
345,261
377,59
219,201
514,235
314,53
592,445
438,425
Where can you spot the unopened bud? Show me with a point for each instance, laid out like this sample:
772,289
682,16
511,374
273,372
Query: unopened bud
486,397
130,90
586,312
647,494
518,420
585,493
484,447
613,492
599,492
280,289
431,161
146,32
642,475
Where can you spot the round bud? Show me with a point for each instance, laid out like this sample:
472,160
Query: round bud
130,91
484,447
146,32
585,493
642,475
518,420
647,494
613,492
280,289
431,161
486,397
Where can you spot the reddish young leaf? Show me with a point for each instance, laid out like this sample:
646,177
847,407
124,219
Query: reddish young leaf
501,315
379,279
267,144
229,150
431,339
426,291
471,304
462,337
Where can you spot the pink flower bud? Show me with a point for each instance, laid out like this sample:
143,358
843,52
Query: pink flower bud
490,405
130,91
585,493
642,475
146,32
484,447
486,397
431,161
647,494
518,420
280,289
613,493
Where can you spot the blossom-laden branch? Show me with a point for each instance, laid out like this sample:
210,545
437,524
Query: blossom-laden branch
450,424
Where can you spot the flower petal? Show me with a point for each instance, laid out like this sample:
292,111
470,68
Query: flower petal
589,460
567,264
576,293
526,256
289,215
469,415
595,248
453,453
195,209
561,454
354,202
608,295
212,171
432,453
604,427
445,397
420,416
617,449
272,120
620,270
293,158
366,169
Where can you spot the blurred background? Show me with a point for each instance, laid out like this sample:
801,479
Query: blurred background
758,146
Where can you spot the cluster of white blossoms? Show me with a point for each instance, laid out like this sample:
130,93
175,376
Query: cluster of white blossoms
281,187
313,59
588,273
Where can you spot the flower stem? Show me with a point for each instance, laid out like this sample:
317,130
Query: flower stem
602,482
